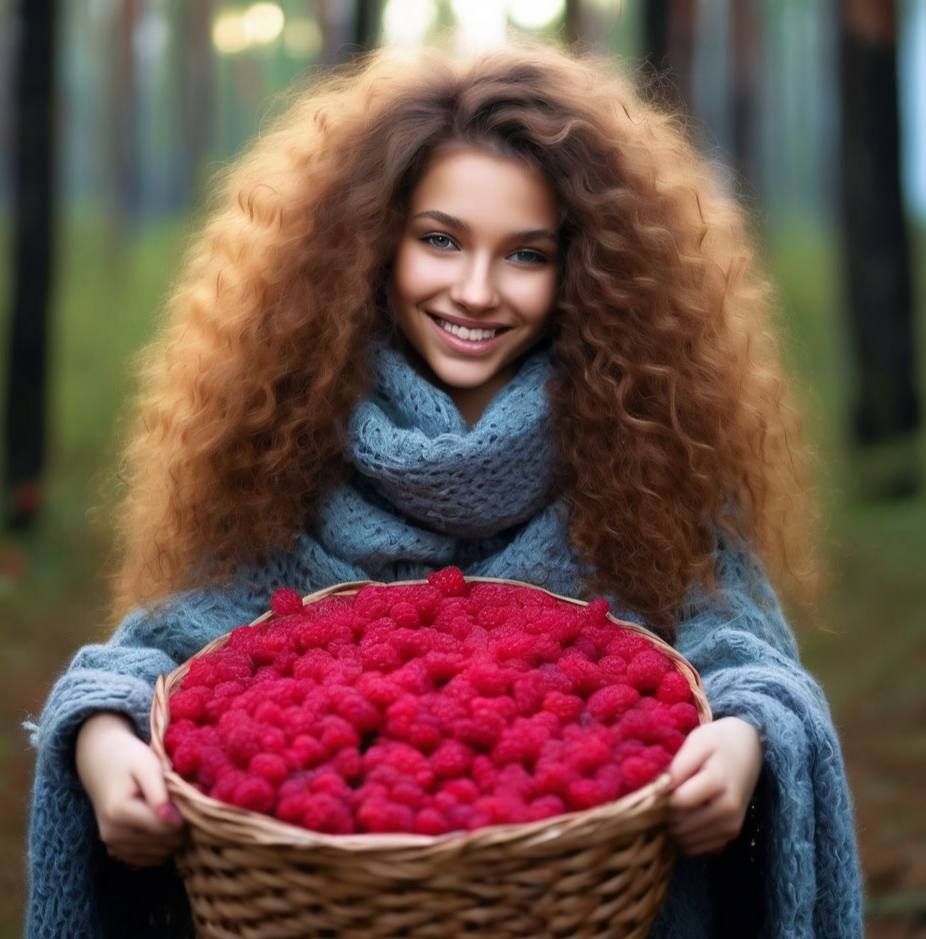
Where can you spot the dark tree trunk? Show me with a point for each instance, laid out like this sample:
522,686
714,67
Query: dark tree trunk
746,53
879,298
194,93
123,171
669,46
366,25
33,163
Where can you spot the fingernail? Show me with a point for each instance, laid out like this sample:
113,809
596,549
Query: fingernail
168,814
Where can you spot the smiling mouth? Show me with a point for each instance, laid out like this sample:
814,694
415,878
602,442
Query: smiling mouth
466,333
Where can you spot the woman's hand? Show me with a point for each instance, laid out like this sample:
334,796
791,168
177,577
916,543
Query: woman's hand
125,783
714,775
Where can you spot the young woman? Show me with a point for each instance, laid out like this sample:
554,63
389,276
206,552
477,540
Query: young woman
492,314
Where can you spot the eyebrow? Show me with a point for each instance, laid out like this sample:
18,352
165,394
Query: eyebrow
451,221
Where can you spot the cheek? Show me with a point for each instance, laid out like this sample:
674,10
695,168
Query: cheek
415,277
535,297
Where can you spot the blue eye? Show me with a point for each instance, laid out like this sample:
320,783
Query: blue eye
528,256
439,241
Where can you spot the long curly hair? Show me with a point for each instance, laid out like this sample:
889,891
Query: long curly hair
671,409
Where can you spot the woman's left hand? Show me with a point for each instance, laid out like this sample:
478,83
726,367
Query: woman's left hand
714,775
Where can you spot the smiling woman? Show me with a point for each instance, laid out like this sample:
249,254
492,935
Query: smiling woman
494,314
475,273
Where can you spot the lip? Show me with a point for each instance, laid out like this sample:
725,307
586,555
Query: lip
467,346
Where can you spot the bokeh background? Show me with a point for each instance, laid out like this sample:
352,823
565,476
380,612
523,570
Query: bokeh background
115,114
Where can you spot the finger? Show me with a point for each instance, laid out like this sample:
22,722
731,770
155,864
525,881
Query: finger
697,848
692,755
135,814
695,792
695,823
138,859
149,778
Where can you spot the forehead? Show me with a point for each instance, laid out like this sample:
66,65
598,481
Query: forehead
476,186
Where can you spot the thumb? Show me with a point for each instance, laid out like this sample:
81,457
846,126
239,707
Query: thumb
691,757
149,776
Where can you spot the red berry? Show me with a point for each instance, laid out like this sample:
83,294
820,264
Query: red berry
286,602
449,581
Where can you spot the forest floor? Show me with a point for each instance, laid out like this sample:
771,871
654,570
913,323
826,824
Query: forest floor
868,647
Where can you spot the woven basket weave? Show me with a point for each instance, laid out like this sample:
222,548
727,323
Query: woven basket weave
602,872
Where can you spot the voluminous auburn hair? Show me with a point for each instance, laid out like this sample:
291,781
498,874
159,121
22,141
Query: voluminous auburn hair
670,406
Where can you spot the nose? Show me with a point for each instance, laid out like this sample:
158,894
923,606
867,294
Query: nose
475,288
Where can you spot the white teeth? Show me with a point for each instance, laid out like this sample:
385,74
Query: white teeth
462,332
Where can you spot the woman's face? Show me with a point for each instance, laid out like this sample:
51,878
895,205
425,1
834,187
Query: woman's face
475,273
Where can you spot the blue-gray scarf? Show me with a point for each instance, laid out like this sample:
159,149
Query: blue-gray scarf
427,491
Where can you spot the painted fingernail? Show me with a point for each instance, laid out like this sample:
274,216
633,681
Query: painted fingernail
168,814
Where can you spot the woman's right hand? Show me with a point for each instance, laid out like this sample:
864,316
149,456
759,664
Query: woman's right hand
125,783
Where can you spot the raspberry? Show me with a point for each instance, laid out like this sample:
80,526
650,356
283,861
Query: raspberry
286,602
584,676
379,656
528,693
304,752
226,784
269,766
638,771
189,704
685,716
463,791
337,733
202,672
596,611
407,792
449,581
487,678
327,814
405,615
609,703
613,668
545,807
271,739
673,688
269,713
567,707
627,644
348,763
176,733
515,779
427,602
491,617
254,794
292,808
430,821
185,759
646,670
584,793
242,744
379,815
501,809
442,666
379,690
371,603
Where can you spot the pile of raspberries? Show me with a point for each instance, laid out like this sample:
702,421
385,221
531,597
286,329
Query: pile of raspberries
428,708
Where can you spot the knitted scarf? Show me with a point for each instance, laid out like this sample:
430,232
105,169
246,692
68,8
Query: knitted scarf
427,490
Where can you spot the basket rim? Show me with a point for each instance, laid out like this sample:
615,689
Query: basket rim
266,830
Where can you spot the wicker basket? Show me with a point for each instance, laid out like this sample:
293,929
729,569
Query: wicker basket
595,873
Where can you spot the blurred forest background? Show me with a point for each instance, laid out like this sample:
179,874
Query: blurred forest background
115,114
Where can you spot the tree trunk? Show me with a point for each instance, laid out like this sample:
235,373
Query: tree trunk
746,53
194,94
123,170
669,46
366,25
879,298
32,266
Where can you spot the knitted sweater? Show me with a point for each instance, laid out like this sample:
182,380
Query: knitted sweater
428,491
